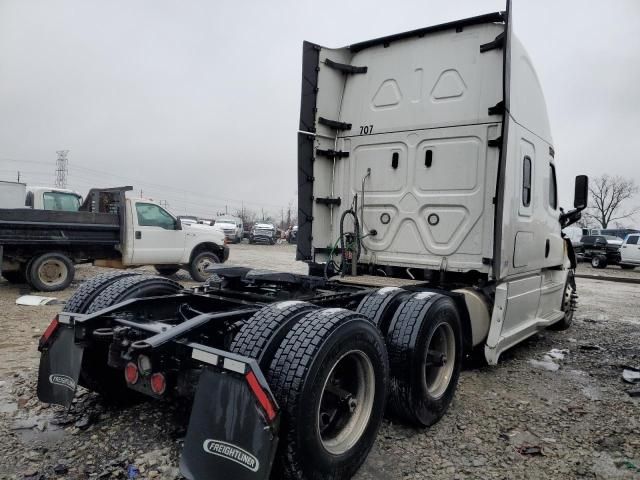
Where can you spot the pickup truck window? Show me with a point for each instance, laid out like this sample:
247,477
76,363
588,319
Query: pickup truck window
67,202
150,215
526,181
553,189
632,240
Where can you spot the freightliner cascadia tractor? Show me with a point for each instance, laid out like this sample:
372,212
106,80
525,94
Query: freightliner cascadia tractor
429,217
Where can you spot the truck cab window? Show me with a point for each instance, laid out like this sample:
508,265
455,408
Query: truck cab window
526,181
553,188
67,202
150,215
632,240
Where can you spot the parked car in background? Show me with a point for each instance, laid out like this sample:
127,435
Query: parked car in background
187,220
232,228
263,233
615,232
293,235
601,250
630,252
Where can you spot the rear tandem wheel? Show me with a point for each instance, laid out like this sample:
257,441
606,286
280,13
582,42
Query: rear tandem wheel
330,377
425,357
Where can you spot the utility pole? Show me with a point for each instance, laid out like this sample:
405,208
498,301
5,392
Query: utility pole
61,168
18,175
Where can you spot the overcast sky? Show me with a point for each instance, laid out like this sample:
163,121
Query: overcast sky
197,102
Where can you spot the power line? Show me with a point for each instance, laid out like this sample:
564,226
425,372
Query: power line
98,174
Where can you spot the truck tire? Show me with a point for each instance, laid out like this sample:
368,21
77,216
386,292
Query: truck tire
199,263
330,377
568,303
50,272
262,334
90,289
425,357
379,306
599,261
95,374
135,286
166,270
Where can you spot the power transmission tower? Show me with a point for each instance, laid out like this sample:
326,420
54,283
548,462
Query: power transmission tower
61,168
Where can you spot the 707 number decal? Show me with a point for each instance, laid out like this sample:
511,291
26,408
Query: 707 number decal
366,129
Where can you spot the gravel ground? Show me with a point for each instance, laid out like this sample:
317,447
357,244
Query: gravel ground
511,421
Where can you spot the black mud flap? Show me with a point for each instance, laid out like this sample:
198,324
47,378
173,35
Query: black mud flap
228,436
59,368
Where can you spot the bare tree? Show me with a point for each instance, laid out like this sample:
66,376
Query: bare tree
607,197
247,216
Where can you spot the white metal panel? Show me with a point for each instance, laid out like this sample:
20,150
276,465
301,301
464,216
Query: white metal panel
526,100
12,194
440,79
424,213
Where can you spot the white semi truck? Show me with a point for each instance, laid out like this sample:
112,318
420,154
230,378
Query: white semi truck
429,217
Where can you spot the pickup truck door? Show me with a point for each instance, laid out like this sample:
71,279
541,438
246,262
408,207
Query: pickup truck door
630,251
158,237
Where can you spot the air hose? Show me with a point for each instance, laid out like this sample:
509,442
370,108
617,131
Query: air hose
354,238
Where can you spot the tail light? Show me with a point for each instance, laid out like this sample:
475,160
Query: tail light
131,373
53,326
262,397
158,383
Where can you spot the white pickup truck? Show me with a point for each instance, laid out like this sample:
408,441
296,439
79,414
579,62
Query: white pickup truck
109,229
630,252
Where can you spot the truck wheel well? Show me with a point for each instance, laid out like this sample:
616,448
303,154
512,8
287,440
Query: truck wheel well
206,247
465,323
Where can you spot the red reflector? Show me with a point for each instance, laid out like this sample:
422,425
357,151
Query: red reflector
53,326
158,383
261,395
131,373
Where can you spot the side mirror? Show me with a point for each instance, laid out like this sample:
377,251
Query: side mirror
581,193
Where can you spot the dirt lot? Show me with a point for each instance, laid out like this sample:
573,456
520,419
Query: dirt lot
579,421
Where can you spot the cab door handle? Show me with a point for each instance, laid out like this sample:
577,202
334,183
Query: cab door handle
138,235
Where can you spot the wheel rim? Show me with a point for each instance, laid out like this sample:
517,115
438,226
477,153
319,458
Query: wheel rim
204,263
440,360
595,261
346,402
52,272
